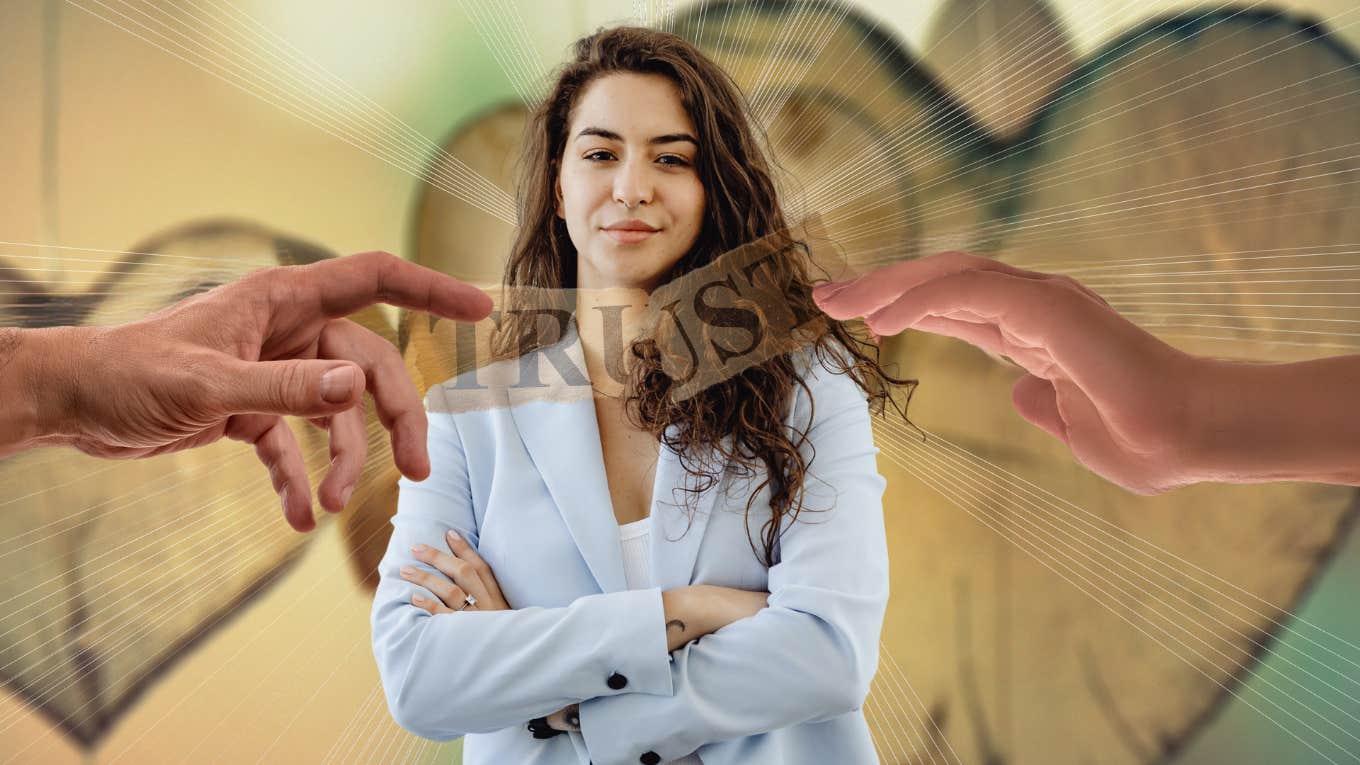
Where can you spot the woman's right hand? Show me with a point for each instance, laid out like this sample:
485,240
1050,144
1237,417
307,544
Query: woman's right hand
702,609
464,574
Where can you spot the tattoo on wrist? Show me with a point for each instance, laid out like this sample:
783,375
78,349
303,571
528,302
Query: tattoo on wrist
675,624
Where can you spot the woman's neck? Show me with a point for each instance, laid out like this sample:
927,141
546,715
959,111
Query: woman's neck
608,321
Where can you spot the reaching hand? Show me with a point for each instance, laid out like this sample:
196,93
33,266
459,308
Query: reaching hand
1116,395
231,361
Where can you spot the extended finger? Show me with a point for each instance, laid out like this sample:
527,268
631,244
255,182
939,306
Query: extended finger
448,592
984,335
398,405
278,449
1027,309
876,289
1044,326
1057,331
340,286
465,552
433,605
990,337
349,449
457,569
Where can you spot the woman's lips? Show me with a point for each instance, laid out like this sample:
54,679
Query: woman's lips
629,235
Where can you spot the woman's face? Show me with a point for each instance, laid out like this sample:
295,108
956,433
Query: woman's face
628,187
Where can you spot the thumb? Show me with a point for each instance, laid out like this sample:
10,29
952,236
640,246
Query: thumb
304,388
1037,401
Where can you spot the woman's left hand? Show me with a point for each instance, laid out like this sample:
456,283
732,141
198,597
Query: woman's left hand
465,574
567,718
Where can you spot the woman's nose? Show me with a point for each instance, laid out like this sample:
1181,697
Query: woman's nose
632,184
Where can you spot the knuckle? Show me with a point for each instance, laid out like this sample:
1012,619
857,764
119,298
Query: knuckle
341,451
376,257
267,287
336,336
384,263
292,384
387,357
281,286
957,261
1070,296
1067,282
255,282
1075,289
450,566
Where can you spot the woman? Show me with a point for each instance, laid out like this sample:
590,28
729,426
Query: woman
642,169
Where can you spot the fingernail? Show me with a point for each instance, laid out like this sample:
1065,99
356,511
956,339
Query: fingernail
417,599
336,385
453,536
345,495
418,549
407,571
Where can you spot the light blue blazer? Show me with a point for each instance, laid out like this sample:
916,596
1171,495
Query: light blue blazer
524,482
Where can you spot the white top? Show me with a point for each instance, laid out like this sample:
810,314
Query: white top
635,538
636,541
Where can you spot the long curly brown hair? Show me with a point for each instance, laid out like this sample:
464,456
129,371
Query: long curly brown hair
751,407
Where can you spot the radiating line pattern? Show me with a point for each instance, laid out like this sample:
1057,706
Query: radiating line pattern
901,169
1103,560
502,28
231,47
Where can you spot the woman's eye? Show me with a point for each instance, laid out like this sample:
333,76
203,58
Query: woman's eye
673,160
599,155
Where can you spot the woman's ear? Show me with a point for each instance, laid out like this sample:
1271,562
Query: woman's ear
557,192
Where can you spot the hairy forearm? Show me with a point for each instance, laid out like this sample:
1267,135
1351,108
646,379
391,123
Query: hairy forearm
38,375
19,409
1278,422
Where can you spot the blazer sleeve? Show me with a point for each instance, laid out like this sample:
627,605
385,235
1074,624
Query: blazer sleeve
477,671
812,653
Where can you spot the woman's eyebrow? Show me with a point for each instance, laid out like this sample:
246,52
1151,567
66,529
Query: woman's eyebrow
610,135
674,138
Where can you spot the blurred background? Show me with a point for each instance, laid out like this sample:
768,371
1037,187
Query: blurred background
1194,162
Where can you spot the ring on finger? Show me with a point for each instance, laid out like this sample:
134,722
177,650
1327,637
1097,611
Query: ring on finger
468,602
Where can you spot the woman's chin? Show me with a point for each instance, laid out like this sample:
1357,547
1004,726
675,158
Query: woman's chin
622,272
627,284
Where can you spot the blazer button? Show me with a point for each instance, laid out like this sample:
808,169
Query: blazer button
616,681
649,758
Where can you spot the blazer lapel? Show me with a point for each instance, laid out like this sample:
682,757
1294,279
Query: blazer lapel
558,426
678,520
559,429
